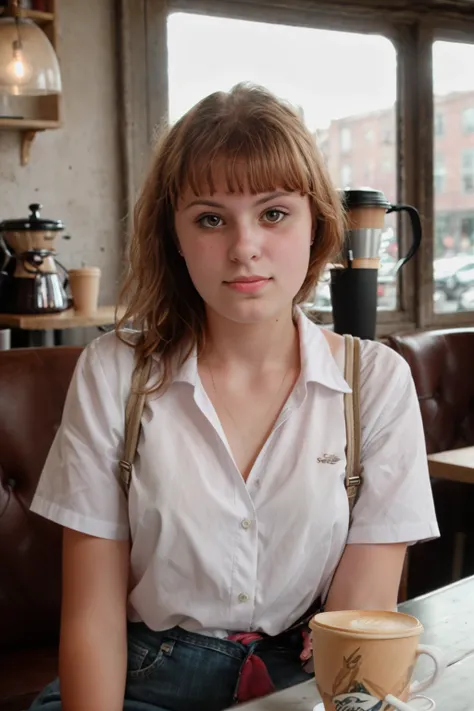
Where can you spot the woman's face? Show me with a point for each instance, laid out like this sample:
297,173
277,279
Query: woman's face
247,255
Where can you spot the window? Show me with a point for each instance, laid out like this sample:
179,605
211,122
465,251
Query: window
388,136
467,170
345,140
346,176
439,173
453,176
369,173
338,104
439,125
370,135
468,120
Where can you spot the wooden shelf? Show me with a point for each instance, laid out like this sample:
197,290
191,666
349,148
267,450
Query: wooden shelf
27,124
41,18
28,128
104,316
38,16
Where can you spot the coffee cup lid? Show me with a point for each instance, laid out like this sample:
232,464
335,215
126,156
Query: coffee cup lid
364,197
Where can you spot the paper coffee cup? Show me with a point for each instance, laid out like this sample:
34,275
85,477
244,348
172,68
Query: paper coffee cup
360,657
365,217
84,284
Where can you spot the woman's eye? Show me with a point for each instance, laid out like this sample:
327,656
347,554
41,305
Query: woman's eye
209,221
273,216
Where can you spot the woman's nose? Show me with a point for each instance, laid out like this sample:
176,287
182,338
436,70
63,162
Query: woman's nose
246,243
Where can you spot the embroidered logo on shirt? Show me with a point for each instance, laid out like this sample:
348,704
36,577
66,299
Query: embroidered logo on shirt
328,459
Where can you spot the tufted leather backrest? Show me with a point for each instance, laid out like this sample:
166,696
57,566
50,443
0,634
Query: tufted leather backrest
442,365
33,386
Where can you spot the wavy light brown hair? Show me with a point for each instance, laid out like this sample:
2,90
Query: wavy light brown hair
264,145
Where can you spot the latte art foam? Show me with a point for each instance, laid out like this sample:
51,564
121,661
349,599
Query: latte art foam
380,624
366,624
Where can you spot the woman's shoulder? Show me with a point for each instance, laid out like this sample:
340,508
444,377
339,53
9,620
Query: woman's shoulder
378,361
111,347
110,357
382,368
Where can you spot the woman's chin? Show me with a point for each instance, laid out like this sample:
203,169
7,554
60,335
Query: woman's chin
251,311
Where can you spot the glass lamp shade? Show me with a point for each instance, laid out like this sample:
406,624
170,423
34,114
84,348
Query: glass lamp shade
28,63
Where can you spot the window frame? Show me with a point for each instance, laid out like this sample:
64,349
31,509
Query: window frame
145,74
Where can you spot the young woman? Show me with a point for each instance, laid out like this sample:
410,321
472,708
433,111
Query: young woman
190,595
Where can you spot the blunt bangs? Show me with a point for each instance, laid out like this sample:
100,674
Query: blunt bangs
255,159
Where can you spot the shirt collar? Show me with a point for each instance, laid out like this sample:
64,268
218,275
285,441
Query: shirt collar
318,364
188,372
317,361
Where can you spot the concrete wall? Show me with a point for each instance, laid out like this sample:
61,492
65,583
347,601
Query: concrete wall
74,172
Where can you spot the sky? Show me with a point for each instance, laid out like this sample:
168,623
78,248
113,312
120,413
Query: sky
328,74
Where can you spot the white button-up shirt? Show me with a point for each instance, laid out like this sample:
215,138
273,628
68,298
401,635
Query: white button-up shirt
211,552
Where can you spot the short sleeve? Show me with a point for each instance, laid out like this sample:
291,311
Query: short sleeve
79,486
395,504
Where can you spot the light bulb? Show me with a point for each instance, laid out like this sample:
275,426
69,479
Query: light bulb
19,69
17,66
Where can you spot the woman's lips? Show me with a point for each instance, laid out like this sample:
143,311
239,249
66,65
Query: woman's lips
248,286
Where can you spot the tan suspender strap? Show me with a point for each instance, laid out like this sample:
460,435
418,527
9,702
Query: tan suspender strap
133,419
349,407
352,418
356,409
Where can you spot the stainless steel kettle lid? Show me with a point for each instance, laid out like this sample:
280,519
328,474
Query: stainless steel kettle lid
363,197
33,223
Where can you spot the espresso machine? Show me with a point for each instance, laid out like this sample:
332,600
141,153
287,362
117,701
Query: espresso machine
32,281
354,280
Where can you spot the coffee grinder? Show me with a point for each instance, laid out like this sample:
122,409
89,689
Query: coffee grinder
354,282
32,281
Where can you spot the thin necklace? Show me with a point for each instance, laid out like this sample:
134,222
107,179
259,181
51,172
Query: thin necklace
285,375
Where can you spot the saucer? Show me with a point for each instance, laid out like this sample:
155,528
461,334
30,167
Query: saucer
420,703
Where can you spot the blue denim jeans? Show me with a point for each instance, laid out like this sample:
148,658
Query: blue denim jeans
183,671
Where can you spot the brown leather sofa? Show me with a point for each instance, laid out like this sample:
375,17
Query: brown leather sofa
33,385
442,365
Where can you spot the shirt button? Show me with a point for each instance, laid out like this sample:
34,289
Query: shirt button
246,523
243,597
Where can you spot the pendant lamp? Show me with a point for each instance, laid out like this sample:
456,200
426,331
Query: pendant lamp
28,63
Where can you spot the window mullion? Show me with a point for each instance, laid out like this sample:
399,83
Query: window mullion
423,168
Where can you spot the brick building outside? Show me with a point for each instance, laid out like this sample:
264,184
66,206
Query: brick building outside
361,151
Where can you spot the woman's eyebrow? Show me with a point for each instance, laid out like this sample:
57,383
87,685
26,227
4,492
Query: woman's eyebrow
260,201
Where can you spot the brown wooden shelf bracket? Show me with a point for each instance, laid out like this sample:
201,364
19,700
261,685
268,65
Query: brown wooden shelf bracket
27,138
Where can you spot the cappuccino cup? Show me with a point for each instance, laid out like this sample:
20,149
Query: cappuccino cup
364,660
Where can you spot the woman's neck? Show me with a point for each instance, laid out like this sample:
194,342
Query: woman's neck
262,347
